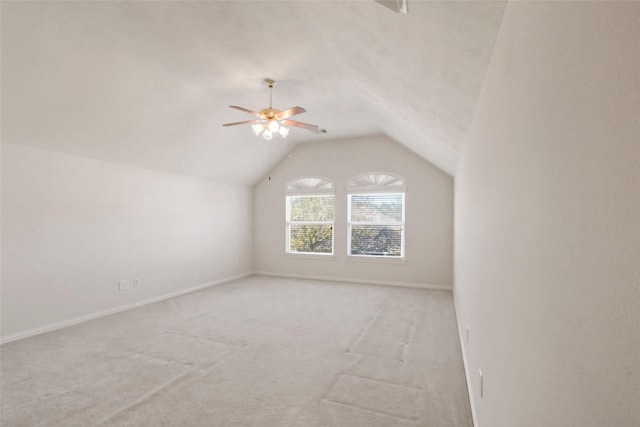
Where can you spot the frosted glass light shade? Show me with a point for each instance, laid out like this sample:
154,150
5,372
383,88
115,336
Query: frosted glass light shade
269,129
273,126
257,128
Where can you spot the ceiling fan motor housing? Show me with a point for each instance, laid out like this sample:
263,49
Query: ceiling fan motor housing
268,113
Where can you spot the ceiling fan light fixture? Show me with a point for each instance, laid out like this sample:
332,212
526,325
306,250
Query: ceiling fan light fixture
273,126
257,128
269,122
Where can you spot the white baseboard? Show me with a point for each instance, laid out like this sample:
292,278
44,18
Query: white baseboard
466,366
351,280
74,321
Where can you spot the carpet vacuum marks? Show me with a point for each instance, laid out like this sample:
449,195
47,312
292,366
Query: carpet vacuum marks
259,351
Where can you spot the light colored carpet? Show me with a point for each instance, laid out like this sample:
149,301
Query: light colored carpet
254,352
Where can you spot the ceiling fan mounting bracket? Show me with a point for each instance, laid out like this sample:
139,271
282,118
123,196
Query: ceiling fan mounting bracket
270,82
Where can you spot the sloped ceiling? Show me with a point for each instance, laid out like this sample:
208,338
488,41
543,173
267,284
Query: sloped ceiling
148,84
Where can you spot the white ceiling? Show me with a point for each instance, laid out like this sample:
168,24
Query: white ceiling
148,84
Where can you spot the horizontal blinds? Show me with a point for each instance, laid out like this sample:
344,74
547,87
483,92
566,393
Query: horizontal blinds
311,238
378,240
310,223
311,208
377,207
376,224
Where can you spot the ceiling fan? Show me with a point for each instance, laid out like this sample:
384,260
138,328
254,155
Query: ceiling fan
271,121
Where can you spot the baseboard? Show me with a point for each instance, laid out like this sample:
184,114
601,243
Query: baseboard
351,280
466,366
74,321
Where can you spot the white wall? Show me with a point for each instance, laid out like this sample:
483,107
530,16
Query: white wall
73,227
428,216
547,220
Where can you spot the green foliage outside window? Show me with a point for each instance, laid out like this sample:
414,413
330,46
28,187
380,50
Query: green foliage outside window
376,224
311,224
311,238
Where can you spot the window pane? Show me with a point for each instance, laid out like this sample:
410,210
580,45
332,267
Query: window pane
311,208
311,238
380,240
376,207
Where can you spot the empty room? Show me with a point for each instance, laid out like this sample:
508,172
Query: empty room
320,213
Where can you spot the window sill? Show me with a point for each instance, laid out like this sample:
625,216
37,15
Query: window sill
309,255
378,259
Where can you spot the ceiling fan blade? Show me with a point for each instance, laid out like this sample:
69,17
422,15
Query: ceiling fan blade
312,128
290,112
246,110
246,122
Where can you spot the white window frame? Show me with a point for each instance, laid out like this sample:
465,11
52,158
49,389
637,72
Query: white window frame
296,188
383,183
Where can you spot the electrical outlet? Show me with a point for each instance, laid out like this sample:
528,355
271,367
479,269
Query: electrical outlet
123,285
136,283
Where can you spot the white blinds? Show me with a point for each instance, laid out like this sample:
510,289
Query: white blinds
311,208
385,208
310,224
376,224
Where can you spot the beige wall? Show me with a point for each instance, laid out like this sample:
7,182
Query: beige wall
547,220
428,217
73,227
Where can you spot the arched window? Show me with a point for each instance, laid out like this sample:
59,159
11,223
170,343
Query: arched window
376,181
312,184
309,215
376,215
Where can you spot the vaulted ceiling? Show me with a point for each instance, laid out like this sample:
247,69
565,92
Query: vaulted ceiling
148,84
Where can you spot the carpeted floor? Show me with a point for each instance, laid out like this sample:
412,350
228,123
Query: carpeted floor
260,351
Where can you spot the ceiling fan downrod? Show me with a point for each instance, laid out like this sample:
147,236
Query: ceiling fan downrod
271,83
